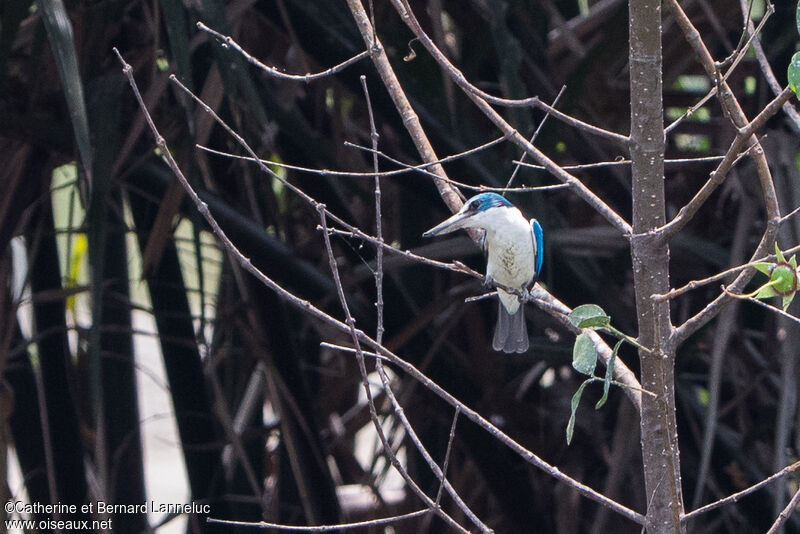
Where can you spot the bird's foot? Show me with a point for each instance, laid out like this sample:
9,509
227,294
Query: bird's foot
488,282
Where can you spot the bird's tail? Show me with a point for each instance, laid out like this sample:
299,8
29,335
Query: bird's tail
511,333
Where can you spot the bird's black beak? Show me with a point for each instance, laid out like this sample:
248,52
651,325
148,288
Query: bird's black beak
456,222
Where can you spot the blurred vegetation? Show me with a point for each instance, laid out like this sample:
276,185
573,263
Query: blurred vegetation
96,235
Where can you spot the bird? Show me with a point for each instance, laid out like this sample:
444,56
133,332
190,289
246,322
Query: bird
514,250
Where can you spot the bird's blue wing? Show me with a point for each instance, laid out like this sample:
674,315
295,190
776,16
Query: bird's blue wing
538,245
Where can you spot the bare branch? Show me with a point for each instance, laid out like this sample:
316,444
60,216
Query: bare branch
447,452
533,138
560,311
694,284
399,413
734,61
321,528
272,71
623,162
723,332
733,155
461,80
481,103
349,329
766,69
739,495
731,106
407,113
406,168
761,303
365,382
461,185
785,514
412,435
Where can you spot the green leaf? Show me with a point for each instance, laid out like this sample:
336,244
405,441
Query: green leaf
584,355
175,22
784,278
59,33
764,267
793,73
609,375
576,399
703,396
589,316
778,252
797,17
787,300
766,292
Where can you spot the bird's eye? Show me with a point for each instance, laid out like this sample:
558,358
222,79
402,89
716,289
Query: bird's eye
474,205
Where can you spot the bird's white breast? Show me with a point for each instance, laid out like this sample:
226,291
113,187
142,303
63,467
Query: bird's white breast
511,255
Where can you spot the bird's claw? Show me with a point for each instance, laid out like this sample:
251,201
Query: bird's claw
488,282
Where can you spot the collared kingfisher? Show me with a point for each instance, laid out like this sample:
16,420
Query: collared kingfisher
514,259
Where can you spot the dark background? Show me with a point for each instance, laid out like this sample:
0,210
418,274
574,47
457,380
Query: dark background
63,401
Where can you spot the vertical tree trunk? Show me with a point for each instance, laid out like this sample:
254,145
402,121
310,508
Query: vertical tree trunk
182,361
25,424
651,271
120,396
70,484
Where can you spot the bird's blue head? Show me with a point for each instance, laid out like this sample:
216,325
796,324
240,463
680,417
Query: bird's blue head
478,204
486,201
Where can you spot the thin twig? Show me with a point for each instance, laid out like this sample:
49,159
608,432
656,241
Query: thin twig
406,168
533,138
434,467
350,321
344,328
410,118
387,386
373,135
738,495
481,188
789,215
321,528
733,154
427,520
694,284
736,58
722,334
482,104
447,453
762,304
379,305
272,71
459,78
730,106
766,69
621,163
785,514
